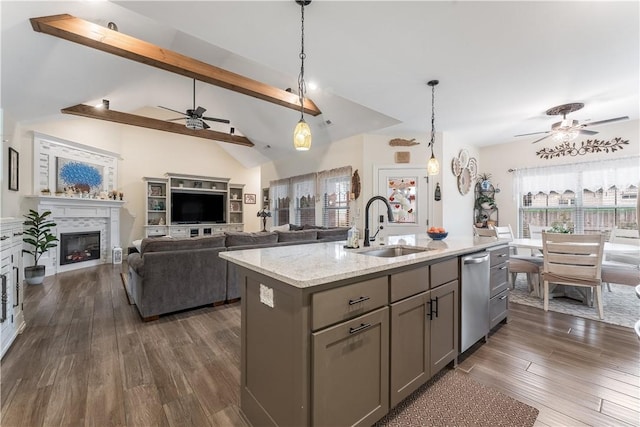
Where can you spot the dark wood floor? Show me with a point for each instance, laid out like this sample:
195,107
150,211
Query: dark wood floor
85,358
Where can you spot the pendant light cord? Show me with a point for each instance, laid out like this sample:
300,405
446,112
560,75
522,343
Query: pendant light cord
302,89
433,117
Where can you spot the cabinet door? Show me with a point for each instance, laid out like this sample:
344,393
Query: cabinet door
351,371
444,325
409,346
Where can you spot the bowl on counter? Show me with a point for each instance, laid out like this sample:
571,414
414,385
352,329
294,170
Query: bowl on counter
437,236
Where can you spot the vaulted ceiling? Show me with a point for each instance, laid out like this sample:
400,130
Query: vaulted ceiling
500,65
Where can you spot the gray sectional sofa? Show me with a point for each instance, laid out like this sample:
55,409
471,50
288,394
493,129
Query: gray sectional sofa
173,274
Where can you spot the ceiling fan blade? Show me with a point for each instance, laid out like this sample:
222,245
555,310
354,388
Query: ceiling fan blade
213,119
199,111
587,132
205,125
533,133
601,122
171,109
538,140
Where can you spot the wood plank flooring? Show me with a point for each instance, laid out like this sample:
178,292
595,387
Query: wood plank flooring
86,358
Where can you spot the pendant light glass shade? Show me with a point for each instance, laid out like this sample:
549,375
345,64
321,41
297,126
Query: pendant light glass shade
302,136
433,167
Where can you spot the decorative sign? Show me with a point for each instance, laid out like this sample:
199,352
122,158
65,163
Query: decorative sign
403,156
588,146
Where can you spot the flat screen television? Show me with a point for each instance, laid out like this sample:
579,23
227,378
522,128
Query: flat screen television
196,208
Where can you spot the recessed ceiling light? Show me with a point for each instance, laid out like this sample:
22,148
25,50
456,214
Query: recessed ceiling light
312,85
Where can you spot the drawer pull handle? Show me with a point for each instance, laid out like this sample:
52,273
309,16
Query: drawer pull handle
362,327
17,234
502,297
502,255
3,299
4,237
358,300
503,268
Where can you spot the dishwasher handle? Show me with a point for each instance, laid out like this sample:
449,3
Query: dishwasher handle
475,259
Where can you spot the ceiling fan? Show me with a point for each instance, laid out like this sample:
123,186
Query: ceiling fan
194,116
568,129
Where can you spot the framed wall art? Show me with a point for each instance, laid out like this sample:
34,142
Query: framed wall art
14,170
250,199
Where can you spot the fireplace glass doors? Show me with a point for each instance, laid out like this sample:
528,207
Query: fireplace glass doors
79,247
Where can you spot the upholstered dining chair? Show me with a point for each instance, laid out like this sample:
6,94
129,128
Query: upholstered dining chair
529,265
573,260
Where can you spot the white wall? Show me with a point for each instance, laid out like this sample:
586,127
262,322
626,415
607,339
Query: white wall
497,159
144,152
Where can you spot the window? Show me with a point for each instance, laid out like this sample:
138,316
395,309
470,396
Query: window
335,187
279,196
304,196
584,198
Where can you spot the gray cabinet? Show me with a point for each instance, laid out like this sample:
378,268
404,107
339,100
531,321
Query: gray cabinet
499,285
11,282
424,327
351,371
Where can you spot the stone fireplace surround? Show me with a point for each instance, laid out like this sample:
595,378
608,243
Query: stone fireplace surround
75,214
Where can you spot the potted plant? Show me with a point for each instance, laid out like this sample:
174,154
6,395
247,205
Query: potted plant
485,202
38,234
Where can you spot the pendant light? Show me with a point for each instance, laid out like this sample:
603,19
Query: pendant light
302,132
433,167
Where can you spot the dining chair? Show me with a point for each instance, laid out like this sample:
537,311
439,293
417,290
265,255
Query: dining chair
625,237
484,232
573,260
529,265
535,231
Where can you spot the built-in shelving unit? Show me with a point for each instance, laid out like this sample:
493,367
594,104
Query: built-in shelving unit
162,193
156,206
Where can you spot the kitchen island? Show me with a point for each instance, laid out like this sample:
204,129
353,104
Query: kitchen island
336,336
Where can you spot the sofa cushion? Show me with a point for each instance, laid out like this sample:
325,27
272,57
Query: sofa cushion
297,236
279,227
294,227
339,233
161,244
313,227
241,238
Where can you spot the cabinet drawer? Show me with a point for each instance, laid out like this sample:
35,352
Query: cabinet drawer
156,231
336,305
499,278
498,255
409,283
498,308
444,272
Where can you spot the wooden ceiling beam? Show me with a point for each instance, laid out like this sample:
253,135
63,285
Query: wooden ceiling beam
147,122
92,35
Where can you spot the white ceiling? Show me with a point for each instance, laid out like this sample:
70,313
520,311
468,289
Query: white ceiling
500,65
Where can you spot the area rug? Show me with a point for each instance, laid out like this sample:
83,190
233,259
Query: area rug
621,306
453,398
125,285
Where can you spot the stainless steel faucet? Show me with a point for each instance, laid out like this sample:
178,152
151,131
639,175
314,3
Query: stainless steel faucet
366,216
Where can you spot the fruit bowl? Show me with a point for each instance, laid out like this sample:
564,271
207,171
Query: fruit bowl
437,236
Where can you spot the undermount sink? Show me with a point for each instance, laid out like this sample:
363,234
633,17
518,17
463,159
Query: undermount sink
394,251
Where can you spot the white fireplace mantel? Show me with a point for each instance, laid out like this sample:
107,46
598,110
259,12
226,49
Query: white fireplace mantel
78,214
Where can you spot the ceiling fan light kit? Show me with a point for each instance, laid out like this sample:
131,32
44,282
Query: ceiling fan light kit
567,130
302,131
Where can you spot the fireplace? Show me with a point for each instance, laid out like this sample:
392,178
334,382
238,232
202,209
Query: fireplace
79,247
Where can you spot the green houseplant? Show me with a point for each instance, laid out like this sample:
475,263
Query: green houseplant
485,202
38,234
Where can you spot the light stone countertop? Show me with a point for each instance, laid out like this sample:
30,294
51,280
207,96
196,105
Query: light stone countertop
312,264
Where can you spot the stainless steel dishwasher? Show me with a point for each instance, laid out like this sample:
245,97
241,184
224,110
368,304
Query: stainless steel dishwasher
474,299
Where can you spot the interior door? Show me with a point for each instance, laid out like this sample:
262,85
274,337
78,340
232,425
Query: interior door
407,193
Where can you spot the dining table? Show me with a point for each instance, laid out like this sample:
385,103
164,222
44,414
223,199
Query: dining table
583,294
